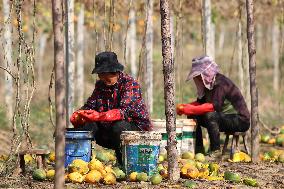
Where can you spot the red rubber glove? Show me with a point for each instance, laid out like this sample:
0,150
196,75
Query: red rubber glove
189,109
180,107
89,115
77,120
111,115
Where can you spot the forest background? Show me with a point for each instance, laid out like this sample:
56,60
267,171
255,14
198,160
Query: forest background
120,26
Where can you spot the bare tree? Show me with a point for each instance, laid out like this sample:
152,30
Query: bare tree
212,33
172,30
221,37
259,36
80,56
253,84
169,90
42,44
208,29
240,56
240,50
149,55
8,58
275,54
132,41
57,13
70,59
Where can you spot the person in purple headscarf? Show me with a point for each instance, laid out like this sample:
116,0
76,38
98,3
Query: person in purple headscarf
220,105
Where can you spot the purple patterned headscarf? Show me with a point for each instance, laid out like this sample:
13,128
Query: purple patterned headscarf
207,68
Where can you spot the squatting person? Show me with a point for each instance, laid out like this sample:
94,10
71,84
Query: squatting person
220,106
115,105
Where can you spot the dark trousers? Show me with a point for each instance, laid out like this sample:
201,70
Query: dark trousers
216,122
108,134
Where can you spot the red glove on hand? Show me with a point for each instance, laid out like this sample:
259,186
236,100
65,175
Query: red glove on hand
190,109
180,107
111,115
89,115
77,120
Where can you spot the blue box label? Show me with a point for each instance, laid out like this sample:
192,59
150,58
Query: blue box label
141,158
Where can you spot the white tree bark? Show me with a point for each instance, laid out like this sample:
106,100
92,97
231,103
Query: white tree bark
70,60
80,56
132,41
240,57
212,40
207,28
42,45
149,55
259,37
221,37
275,54
8,58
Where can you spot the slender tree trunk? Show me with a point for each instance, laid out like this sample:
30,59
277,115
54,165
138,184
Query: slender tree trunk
245,62
59,93
149,55
172,33
42,44
240,57
95,30
221,37
70,59
275,54
207,28
247,76
8,57
169,91
178,55
80,56
240,50
213,28
253,83
132,41
259,37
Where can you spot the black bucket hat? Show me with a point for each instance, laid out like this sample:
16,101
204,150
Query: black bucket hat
107,62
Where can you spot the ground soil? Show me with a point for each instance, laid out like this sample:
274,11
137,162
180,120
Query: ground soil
268,175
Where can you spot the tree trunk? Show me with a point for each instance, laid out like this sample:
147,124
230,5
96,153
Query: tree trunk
8,57
70,60
149,55
80,57
253,84
132,41
172,34
221,37
240,51
207,28
213,27
259,37
275,54
59,93
42,44
169,91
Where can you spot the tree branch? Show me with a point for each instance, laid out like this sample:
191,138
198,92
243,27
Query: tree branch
8,71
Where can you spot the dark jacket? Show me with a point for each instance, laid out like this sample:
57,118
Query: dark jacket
124,95
227,98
